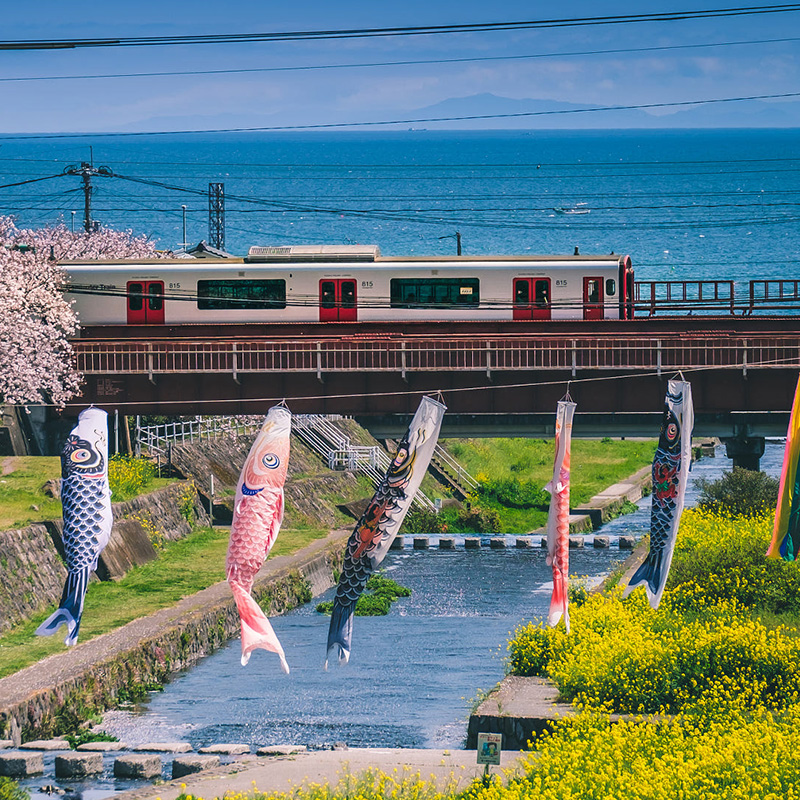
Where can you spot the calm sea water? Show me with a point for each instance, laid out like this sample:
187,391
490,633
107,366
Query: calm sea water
684,204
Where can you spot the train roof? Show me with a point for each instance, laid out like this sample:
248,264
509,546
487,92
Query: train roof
345,254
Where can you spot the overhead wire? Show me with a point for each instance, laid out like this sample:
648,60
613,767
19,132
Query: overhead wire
405,30
400,63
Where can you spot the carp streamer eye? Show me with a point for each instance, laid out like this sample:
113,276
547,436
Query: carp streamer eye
79,456
672,431
270,461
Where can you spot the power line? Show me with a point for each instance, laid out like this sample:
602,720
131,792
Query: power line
417,30
403,63
409,121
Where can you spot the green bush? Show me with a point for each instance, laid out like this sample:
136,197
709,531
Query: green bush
739,493
379,594
514,493
84,736
421,520
128,476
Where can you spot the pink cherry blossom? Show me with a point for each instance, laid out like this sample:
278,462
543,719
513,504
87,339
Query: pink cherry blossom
36,322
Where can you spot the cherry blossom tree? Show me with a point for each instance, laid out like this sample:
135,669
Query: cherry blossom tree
36,322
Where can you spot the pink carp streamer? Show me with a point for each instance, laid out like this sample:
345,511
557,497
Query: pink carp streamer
786,533
558,517
257,517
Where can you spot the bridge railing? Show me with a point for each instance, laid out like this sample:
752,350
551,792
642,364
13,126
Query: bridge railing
420,354
716,297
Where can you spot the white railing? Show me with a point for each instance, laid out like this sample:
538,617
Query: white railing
337,450
155,440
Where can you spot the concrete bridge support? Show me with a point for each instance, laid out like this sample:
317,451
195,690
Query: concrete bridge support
745,451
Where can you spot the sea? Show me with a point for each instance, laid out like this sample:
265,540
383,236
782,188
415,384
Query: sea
685,204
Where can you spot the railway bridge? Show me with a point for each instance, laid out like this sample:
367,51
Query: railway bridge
497,379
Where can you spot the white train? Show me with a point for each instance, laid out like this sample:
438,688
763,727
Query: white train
348,284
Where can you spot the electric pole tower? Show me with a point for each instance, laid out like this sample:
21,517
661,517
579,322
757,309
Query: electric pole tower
86,170
216,215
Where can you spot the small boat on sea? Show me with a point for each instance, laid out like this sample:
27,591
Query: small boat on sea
560,210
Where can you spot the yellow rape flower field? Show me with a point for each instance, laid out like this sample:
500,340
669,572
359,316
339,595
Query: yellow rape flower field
704,692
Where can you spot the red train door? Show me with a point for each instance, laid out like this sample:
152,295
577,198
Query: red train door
337,300
593,298
532,298
145,302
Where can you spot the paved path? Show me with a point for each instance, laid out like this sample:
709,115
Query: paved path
285,773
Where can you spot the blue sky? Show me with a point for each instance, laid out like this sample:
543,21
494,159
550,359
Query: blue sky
375,92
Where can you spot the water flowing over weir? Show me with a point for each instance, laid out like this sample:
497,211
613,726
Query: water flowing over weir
412,675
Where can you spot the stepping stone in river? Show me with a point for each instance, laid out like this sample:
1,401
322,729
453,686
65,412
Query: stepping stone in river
472,543
78,765
164,747
102,747
188,765
281,750
6,744
138,765
226,749
46,744
19,764
627,542
447,543
602,542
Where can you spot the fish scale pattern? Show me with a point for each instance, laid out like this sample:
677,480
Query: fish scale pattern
84,502
258,522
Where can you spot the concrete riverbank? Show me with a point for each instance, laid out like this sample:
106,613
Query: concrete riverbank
91,675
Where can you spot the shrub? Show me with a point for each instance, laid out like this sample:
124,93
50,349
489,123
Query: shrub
739,493
514,493
85,736
477,520
128,476
379,594
421,520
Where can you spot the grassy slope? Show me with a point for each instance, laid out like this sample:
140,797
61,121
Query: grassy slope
21,489
596,465
181,569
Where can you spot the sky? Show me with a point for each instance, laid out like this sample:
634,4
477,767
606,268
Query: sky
377,92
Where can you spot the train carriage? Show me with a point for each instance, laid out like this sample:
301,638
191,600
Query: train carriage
348,284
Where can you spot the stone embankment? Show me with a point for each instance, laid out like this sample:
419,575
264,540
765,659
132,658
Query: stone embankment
58,692
32,570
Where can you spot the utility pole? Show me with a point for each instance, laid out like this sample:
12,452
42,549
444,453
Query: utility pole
216,215
457,237
184,244
86,170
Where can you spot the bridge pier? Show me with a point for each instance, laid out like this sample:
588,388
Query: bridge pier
745,451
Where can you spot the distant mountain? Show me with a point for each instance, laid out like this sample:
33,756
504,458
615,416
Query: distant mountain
553,114
508,113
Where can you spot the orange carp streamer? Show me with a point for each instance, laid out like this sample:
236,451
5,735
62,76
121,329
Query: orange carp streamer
558,517
257,517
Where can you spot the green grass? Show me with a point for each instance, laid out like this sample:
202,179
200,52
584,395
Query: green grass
181,569
21,490
596,465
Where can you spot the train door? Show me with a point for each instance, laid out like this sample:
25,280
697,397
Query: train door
532,298
337,300
593,298
145,302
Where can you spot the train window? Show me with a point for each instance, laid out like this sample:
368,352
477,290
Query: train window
135,298
327,294
155,297
541,292
593,291
434,292
249,294
611,286
348,294
522,292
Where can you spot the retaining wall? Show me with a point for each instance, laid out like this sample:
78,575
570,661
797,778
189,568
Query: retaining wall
32,570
